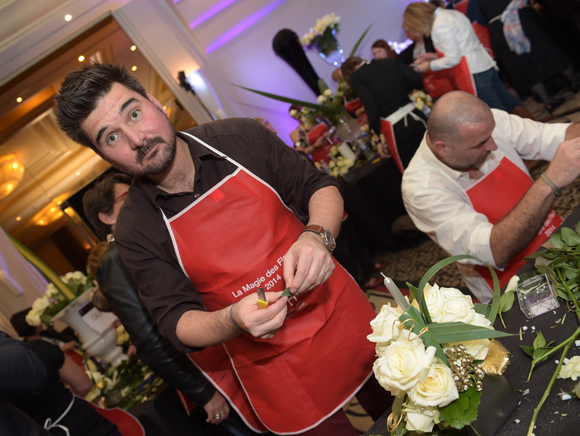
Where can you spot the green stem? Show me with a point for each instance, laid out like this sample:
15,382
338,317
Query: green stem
570,293
530,373
548,389
563,344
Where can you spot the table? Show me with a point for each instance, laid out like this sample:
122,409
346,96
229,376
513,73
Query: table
373,201
556,416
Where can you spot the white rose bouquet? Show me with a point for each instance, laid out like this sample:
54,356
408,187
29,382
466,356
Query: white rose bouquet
322,30
58,296
431,353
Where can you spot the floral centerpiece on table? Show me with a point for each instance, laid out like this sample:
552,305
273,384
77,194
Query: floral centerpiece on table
323,32
431,354
123,385
56,298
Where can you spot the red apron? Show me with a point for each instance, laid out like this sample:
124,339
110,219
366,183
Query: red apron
322,153
389,134
231,241
495,195
441,82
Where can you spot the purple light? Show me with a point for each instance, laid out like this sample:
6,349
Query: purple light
243,25
210,13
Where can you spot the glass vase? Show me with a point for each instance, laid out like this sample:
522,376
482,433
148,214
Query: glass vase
347,128
329,49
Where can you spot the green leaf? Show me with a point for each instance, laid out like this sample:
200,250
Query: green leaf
324,109
427,337
541,353
540,341
482,309
570,237
355,48
506,301
528,350
459,332
462,411
556,240
435,268
286,293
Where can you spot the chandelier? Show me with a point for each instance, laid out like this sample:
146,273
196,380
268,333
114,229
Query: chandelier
11,173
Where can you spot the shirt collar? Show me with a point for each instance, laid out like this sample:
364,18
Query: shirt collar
430,158
198,153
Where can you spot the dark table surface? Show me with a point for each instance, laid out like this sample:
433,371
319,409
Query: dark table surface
556,417
373,201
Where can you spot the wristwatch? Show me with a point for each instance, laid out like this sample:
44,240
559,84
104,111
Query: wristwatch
325,234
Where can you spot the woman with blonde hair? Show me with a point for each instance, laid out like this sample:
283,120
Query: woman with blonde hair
454,38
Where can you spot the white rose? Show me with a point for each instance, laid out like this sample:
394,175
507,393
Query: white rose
33,318
51,290
293,113
480,320
348,163
40,304
321,99
343,170
421,419
328,93
438,389
457,307
404,363
434,299
79,276
386,324
571,369
511,286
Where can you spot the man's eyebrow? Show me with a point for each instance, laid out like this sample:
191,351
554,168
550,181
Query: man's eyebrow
121,109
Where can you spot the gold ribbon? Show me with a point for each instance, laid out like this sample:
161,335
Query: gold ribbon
497,359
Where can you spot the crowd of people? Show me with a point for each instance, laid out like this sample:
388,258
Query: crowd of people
196,221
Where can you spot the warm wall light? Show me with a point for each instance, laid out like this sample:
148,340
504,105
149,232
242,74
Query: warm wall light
133,47
68,17
18,218
134,68
11,173
19,100
50,213
81,58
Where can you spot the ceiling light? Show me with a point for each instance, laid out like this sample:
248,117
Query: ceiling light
81,58
11,173
78,173
19,100
67,17
133,47
18,218
134,68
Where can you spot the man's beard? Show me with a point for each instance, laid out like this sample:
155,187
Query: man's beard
166,155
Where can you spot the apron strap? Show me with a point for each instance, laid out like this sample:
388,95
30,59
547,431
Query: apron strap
48,424
219,153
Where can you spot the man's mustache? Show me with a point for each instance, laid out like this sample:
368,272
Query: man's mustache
149,144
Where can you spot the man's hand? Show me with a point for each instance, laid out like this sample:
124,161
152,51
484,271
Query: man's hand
261,323
420,66
321,140
565,166
307,264
217,409
383,150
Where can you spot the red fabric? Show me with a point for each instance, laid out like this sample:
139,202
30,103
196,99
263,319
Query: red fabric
127,424
495,195
353,105
481,31
389,134
322,153
77,358
441,82
301,366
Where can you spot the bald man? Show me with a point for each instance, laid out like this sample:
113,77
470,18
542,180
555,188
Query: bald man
468,188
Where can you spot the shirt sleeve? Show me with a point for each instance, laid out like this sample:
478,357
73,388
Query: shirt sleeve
446,42
367,97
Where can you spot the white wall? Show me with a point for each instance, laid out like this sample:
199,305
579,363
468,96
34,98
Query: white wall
249,59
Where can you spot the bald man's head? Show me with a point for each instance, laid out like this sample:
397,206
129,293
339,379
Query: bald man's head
453,110
459,131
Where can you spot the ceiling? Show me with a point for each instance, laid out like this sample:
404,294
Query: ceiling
56,167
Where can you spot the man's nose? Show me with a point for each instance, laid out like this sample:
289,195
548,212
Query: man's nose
136,138
491,145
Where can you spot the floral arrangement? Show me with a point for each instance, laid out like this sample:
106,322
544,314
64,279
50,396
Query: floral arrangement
340,166
431,354
54,299
323,30
422,101
123,385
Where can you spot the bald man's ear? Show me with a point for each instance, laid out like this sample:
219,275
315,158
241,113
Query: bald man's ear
442,148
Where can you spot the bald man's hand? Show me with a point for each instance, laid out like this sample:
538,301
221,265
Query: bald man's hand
565,166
